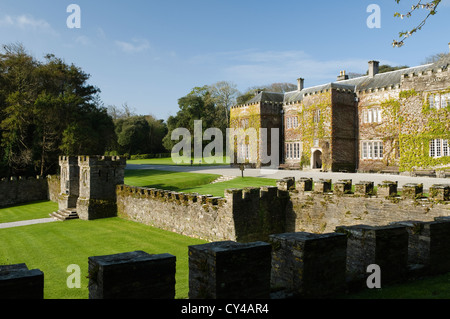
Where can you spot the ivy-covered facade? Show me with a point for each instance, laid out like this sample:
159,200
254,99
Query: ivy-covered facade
393,121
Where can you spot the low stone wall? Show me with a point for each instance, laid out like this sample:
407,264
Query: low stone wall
301,264
243,215
20,190
253,214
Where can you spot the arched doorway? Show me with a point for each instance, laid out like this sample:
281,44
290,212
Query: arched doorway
317,159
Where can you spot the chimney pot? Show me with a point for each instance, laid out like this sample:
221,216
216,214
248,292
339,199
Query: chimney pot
342,76
300,84
373,68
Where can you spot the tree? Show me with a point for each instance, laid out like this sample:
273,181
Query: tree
435,57
197,105
282,87
224,95
431,6
47,109
387,68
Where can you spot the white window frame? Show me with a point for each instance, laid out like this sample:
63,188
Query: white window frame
439,148
372,150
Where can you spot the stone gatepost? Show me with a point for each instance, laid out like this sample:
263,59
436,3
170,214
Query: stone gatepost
385,246
429,244
18,282
132,275
99,176
229,270
70,178
309,265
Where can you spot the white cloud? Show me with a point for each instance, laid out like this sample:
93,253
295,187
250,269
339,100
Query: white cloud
256,67
83,40
26,22
136,45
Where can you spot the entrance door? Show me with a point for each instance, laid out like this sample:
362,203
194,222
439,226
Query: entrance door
317,159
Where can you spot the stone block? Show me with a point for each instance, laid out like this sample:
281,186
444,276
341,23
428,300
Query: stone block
440,192
412,191
286,184
343,187
387,189
428,244
18,282
229,270
309,265
304,184
364,188
385,246
322,186
132,275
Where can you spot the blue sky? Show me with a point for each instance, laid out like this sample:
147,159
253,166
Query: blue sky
148,54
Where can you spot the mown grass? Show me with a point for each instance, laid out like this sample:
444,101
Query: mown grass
35,210
53,247
186,161
166,179
218,189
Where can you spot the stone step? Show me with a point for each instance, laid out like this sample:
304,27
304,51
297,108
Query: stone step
65,214
223,179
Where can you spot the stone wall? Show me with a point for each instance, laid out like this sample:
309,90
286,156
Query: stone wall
304,265
243,215
22,190
253,214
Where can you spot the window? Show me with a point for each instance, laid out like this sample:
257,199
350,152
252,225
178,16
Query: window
439,148
316,116
372,150
372,115
244,152
439,101
244,123
291,122
293,150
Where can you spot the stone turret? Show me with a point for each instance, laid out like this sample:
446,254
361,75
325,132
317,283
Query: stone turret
99,176
70,176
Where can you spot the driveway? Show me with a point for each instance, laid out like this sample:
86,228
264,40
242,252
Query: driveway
315,175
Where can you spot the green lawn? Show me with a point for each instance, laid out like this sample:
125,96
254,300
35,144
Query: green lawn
187,161
53,247
218,189
28,211
165,179
190,182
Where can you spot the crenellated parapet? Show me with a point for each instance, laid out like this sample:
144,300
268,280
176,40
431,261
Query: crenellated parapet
385,189
169,196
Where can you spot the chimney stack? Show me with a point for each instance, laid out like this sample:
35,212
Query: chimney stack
342,76
373,68
300,84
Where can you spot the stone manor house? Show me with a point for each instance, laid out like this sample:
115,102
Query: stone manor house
394,121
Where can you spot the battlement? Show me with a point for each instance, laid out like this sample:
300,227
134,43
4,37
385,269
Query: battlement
85,160
68,160
239,196
386,189
170,196
21,178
